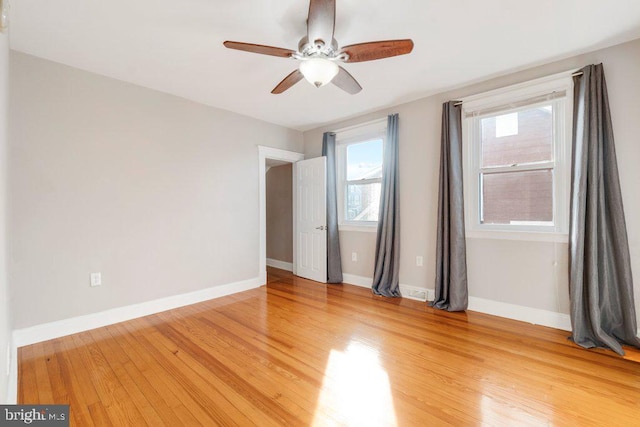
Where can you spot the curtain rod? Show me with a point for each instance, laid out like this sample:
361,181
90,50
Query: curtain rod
576,74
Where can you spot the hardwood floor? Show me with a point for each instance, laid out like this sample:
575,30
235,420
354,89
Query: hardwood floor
296,352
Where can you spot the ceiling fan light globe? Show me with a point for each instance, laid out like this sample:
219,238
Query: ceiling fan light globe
318,71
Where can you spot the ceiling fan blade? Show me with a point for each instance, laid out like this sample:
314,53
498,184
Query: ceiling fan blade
346,82
287,82
322,20
377,50
258,48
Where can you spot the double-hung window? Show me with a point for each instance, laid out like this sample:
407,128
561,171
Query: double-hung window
517,158
359,160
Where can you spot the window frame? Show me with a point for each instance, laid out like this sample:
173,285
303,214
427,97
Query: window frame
548,90
344,138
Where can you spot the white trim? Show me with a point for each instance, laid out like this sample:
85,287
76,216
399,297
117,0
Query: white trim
265,153
505,97
60,328
530,236
360,228
279,154
352,279
495,308
407,291
12,384
8,357
282,265
535,316
362,131
519,92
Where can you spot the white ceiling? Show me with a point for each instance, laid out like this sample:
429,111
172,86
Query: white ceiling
175,46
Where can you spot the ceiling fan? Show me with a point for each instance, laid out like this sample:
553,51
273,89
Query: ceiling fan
319,54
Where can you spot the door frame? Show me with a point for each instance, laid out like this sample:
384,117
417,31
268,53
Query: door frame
265,153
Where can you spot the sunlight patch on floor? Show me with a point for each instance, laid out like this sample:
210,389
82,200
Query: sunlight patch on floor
500,413
356,389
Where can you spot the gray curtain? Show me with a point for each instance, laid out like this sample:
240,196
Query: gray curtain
334,263
387,263
600,283
451,250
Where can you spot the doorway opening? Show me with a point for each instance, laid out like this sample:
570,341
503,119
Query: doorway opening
269,158
279,214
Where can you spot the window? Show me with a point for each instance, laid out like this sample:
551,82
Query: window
364,180
516,158
359,155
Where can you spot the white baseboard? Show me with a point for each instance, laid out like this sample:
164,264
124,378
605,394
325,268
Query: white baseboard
288,266
407,291
12,385
511,311
518,312
352,279
60,328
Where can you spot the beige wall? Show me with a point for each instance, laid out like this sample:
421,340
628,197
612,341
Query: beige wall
157,193
279,211
532,274
5,320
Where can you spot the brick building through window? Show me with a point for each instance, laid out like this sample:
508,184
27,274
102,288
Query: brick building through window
519,138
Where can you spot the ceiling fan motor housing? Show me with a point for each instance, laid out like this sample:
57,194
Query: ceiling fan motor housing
319,47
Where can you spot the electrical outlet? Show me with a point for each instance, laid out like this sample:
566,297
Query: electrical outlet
354,256
419,261
96,279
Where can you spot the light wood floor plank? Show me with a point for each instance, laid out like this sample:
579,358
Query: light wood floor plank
252,378
177,397
99,415
72,384
133,401
199,387
40,369
143,388
48,356
28,389
297,352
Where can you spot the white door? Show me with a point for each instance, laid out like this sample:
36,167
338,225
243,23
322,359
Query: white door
311,219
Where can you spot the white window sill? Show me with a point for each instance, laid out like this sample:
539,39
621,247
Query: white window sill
360,228
531,236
